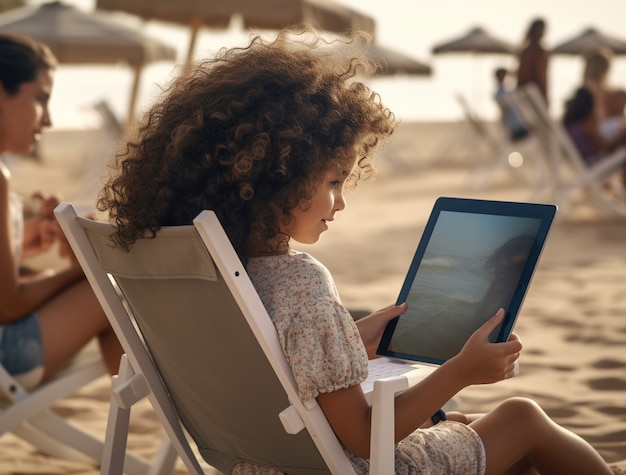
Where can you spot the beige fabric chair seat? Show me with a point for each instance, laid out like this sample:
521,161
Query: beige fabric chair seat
201,346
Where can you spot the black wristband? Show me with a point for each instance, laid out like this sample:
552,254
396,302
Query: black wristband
438,416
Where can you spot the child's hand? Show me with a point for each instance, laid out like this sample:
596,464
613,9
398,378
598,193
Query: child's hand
372,327
484,362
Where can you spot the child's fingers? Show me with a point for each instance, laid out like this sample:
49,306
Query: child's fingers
492,323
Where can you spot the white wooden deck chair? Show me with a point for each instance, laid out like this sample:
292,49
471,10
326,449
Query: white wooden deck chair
202,348
28,415
495,157
572,175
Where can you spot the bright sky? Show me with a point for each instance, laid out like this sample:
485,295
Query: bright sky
414,26
410,26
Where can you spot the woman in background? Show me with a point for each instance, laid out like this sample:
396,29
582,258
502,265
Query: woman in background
533,59
608,102
47,317
583,127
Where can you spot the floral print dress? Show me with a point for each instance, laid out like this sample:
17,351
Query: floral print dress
324,349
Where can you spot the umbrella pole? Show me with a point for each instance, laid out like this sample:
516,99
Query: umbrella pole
133,95
196,24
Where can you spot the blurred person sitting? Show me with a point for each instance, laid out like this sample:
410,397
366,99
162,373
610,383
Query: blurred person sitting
46,317
511,117
582,125
609,102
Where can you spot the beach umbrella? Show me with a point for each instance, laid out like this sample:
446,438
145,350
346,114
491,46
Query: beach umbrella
588,40
10,4
392,62
259,14
388,61
77,37
476,40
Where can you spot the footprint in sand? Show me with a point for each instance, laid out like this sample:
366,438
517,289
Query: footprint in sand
612,410
608,363
607,384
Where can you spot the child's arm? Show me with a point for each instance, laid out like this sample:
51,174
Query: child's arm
479,362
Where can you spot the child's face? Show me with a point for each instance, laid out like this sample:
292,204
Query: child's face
311,218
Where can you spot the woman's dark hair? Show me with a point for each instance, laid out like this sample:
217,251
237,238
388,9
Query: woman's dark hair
21,59
535,30
248,134
579,107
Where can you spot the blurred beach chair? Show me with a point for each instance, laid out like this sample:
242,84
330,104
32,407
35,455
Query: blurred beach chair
28,414
201,346
499,154
572,177
110,121
93,148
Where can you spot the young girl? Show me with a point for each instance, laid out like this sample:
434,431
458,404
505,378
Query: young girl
46,318
270,136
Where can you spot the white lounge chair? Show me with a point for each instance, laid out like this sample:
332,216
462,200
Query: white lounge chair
499,154
572,175
201,346
28,415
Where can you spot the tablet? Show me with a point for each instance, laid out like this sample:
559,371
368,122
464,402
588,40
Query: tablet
474,257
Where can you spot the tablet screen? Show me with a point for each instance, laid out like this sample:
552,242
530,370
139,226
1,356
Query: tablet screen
475,256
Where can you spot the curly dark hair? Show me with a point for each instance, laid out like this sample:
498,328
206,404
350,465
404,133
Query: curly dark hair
248,134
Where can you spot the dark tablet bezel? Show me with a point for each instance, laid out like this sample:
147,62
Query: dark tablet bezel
544,212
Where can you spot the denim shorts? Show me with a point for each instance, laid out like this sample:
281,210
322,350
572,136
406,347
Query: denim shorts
21,349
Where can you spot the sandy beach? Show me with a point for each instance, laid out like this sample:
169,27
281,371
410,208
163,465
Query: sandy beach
572,324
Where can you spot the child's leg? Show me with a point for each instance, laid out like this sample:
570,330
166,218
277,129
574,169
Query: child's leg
69,321
519,429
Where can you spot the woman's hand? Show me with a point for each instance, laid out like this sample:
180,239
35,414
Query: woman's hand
481,361
42,230
39,235
47,203
371,327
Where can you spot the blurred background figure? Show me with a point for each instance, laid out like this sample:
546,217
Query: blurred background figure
533,59
46,317
582,124
511,117
608,102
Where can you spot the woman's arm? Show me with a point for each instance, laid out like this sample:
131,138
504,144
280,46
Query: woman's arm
542,73
600,144
20,296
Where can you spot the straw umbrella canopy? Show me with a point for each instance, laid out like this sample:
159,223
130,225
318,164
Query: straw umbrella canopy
392,62
476,40
77,37
588,40
260,14
10,4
